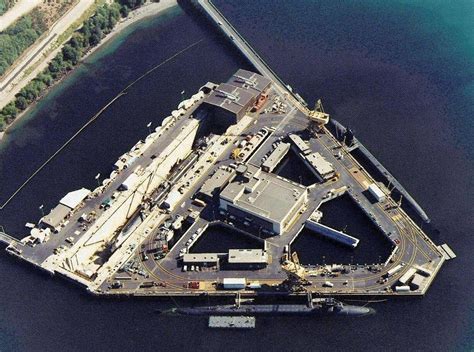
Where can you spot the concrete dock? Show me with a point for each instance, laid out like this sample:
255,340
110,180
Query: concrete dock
129,236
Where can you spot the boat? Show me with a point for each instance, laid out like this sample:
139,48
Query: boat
317,306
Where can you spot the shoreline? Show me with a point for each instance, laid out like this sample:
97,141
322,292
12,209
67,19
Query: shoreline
149,9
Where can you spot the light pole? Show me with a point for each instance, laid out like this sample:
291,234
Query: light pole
182,95
41,209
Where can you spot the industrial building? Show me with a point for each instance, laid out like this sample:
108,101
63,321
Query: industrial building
253,82
217,182
320,166
201,259
266,200
275,157
247,259
229,102
60,212
299,144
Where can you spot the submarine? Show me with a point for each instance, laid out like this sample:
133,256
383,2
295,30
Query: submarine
318,306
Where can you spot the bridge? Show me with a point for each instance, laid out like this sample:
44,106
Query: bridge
257,61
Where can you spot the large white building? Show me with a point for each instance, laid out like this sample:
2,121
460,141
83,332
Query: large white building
266,200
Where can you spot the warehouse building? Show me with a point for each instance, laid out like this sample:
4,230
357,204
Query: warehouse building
265,200
242,259
275,157
250,81
227,103
61,212
201,259
320,166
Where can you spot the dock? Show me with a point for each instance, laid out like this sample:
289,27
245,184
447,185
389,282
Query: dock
134,234
231,322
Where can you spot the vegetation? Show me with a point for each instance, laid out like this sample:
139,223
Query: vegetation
18,37
5,5
88,36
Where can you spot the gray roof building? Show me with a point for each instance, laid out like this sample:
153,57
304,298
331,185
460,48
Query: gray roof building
250,81
55,216
247,256
265,196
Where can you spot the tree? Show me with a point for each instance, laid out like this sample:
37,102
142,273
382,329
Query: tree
21,102
56,65
71,54
45,77
10,111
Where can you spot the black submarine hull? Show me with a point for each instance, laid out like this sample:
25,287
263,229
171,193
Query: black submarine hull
276,309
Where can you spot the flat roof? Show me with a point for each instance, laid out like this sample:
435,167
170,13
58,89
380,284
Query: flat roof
276,155
266,195
74,198
250,81
230,98
247,256
56,215
322,166
217,181
298,142
200,258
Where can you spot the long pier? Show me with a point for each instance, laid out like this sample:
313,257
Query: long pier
390,178
252,56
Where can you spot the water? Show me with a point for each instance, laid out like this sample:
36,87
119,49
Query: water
399,73
343,214
219,239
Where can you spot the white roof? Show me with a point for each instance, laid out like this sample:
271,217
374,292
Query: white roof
234,281
375,190
74,198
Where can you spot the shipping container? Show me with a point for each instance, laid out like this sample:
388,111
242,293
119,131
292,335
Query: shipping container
407,276
394,270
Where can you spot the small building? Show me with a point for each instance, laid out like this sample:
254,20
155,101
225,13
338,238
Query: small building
231,283
376,192
172,200
320,166
247,258
267,201
74,198
275,157
201,259
129,183
299,144
417,281
55,217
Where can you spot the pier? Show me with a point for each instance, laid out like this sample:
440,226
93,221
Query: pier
250,54
134,234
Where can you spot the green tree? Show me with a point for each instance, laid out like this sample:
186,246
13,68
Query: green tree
71,54
21,102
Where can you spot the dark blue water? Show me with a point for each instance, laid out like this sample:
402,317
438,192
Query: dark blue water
219,239
399,73
344,215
